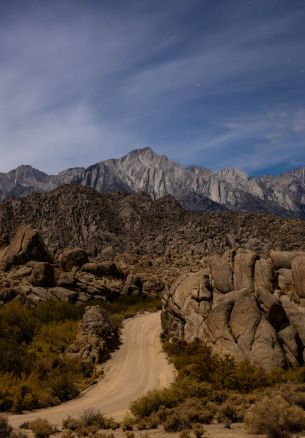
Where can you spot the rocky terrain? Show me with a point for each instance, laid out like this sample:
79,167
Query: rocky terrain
29,274
241,304
107,225
196,188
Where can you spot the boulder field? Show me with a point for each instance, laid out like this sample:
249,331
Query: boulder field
244,305
29,274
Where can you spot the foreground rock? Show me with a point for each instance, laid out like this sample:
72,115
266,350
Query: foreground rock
243,305
26,245
96,338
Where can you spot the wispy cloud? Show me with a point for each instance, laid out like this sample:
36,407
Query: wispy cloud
84,81
272,137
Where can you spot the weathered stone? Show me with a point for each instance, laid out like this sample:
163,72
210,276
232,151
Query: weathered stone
73,257
298,274
96,338
38,294
263,275
65,279
244,269
133,285
103,269
63,294
255,325
296,317
153,286
222,271
285,281
42,274
26,245
283,259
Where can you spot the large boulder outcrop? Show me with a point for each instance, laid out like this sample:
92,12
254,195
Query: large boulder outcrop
298,274
260,319
26,245
73,257
96,338
42,274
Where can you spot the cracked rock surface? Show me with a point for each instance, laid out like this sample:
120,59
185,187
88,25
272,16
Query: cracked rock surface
244,305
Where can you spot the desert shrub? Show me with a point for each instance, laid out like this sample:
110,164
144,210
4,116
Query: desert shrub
198,431
92,417
152,401
41,428
173,423
18,434
90,421
128,423
5,428
185,434
16,322
55,311
34,371
233,410
197,362
64,388
293,394
274,416
70,423
190,387
14,357
185,415
128,306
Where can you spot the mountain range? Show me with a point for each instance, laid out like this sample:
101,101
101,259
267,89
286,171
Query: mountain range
196,188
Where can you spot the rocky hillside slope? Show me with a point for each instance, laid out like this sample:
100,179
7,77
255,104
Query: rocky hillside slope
108,224
197,188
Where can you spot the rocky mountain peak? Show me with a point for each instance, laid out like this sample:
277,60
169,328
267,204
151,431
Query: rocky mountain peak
197,188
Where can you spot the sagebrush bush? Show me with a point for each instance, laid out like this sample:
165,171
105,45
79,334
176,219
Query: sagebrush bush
273,416
89,422
152,401
41,428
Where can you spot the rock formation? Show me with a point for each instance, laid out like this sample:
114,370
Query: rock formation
241,304
96,337
26,245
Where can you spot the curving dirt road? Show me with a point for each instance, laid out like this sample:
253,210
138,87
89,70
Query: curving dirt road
138,366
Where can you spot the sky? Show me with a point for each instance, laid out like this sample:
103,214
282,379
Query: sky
215,83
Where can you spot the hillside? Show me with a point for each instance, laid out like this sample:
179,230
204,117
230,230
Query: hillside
106,224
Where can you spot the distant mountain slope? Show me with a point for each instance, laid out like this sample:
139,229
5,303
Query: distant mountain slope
106,224
25,179
196,188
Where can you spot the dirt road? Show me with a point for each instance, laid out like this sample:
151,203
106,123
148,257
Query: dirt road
138,366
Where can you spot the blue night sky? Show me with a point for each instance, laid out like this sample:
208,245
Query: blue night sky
217,83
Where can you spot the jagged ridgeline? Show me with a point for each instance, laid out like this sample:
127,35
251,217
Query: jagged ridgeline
107,224
197,188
